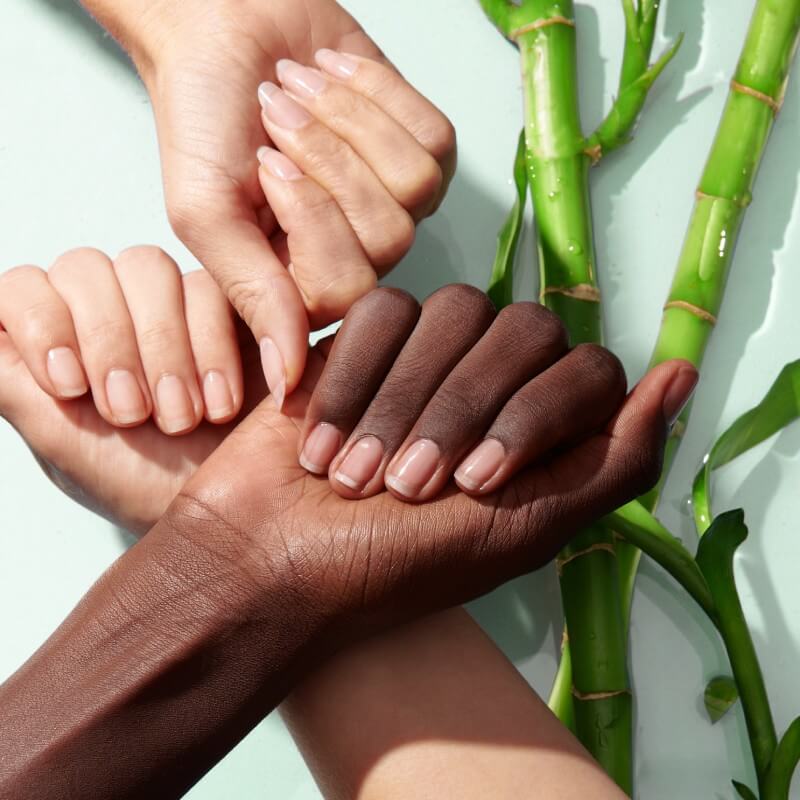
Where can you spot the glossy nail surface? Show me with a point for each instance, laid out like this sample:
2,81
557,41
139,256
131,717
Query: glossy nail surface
281,109
66,373
217,395
414,469
278,164
299,79
274,372
173,405
361,463
125,397
481,465
678,393
338,64
321,446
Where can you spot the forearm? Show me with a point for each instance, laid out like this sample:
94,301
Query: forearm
434,709
167,662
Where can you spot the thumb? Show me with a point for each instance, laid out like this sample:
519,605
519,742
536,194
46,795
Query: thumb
241,260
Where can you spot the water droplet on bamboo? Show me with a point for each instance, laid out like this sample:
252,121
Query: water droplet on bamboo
574,247
552,195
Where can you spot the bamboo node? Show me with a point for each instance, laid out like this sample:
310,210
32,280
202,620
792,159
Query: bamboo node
700,313
768,100
598,695
742,201
595,153
540,23
607,547
581,291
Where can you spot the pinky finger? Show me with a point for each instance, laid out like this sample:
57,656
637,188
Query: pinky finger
212,334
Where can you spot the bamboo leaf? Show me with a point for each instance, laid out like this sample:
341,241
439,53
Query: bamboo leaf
784,763
745,792
779,408
720,694
715,559
501,284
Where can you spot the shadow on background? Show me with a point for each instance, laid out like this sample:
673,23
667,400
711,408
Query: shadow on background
80,23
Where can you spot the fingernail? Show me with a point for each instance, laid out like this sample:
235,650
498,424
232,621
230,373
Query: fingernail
337,64
678,393
272,364
361,463
481,465
299,79
174,405
321,446
415,468
280,108
125,397
278,164
66,373
217,395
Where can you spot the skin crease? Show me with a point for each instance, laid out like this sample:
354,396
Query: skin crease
202,63
253,576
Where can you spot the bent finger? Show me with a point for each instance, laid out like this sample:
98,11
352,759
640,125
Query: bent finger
39,325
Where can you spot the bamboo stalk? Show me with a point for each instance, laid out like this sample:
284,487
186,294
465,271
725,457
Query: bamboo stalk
558,161
724,193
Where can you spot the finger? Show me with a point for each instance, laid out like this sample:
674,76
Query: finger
326,259
234,249
523,341
151,283
212,333
601,473
384,228
453,319
573,398
387,89
410,174
371,336
40,327
86,281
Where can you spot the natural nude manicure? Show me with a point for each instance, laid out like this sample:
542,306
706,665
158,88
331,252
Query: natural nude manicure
66,373
278,164
338,64
174,404
217,395
361,463
322,445
125,397
678,393
414,469
280,108
481,465
299,79
274,372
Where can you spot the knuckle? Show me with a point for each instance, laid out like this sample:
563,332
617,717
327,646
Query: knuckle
441,137
105,335
36,325
385,302
458,400
12,278
415,185
189,214
533,326
70,265
144,257
468,301
603,365
394,239
158,336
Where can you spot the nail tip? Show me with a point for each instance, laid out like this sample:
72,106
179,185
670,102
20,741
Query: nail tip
310,466
399,486
347,481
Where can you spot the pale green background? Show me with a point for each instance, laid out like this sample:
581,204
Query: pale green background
78,166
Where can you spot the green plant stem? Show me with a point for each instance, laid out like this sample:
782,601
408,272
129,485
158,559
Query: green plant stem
723,195
558,176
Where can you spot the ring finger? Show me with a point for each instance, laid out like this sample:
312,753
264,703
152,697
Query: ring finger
151,284
86,282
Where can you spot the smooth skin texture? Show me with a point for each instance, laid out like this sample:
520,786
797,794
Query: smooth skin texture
202,64
483,722
254,576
